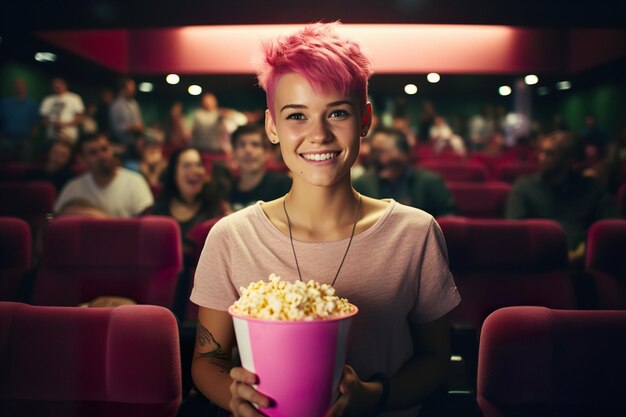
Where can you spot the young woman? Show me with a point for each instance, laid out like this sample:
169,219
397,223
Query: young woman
386,258
187,195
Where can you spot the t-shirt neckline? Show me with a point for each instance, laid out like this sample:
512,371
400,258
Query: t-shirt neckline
265,221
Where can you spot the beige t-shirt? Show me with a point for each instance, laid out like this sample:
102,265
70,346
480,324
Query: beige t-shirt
395,272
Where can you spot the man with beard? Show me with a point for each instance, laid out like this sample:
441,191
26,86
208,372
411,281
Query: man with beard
254,183
393,176
559,192
117,191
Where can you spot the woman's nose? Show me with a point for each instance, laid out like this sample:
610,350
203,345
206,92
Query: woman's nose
319,132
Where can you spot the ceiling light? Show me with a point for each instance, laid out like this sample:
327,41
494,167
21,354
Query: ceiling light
45,57
433,77
195,90
505,90
563,85
410,89
172,79
146,87
531,79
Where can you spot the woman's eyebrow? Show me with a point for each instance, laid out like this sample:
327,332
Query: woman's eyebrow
302,106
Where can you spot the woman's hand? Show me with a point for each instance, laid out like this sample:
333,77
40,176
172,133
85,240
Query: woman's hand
357,398
243,394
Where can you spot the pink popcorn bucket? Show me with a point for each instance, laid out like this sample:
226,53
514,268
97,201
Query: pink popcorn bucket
298,363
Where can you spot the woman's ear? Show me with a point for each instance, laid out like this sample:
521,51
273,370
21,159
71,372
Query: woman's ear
270,128
366,121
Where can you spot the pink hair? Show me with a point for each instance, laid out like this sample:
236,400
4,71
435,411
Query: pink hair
325,60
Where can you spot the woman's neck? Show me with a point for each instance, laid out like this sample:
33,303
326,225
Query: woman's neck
322,213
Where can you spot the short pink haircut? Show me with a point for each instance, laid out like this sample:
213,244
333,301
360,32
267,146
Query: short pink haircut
325,60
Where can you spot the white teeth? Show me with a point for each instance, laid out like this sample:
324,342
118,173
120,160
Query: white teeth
321,156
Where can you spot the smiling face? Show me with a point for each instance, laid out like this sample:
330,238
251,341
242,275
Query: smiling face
249,153
190,173
318,131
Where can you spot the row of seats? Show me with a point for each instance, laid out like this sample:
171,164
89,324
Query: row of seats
496,263
70,361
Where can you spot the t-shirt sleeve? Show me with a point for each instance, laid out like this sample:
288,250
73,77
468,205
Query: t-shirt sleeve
44,109
213,286
437,292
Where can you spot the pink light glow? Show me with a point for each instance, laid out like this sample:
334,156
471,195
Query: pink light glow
467,49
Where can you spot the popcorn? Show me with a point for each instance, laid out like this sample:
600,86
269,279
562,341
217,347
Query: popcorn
281,300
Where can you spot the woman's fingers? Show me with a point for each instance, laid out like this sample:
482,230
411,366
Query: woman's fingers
248,393
241,375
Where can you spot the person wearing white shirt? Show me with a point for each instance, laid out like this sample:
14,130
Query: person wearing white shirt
62,113
117,191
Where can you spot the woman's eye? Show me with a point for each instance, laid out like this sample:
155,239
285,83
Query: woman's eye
339,113
296,116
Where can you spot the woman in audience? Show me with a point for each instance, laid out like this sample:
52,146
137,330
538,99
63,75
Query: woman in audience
189,195
58,165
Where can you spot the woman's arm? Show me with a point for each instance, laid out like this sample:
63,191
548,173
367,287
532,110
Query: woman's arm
428,368
212,362
212,367
413,383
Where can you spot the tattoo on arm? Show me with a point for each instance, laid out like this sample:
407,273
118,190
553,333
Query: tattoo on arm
205,339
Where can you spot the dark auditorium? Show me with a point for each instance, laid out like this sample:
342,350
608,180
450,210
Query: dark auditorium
333,209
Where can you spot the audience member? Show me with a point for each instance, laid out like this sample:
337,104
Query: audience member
126,120
316,84
444,138
103,112
178,134
427,118
62,113
118,191
255,183
188,195
152,164
393,176
481,128
209,131
594,138
561,193
18,122
89,124
58,165
83,208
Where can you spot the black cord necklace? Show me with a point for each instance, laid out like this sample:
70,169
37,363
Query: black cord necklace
356,218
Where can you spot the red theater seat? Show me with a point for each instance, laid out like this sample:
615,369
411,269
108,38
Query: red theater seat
480,200
500,263
32,201
15,256
72,361
86,258
509,171
456,171
198,235
606,262
535,361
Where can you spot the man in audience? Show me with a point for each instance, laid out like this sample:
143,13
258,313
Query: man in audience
126,120
62,113
209,130
250,153
393,176
559,192
18,121
117,191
